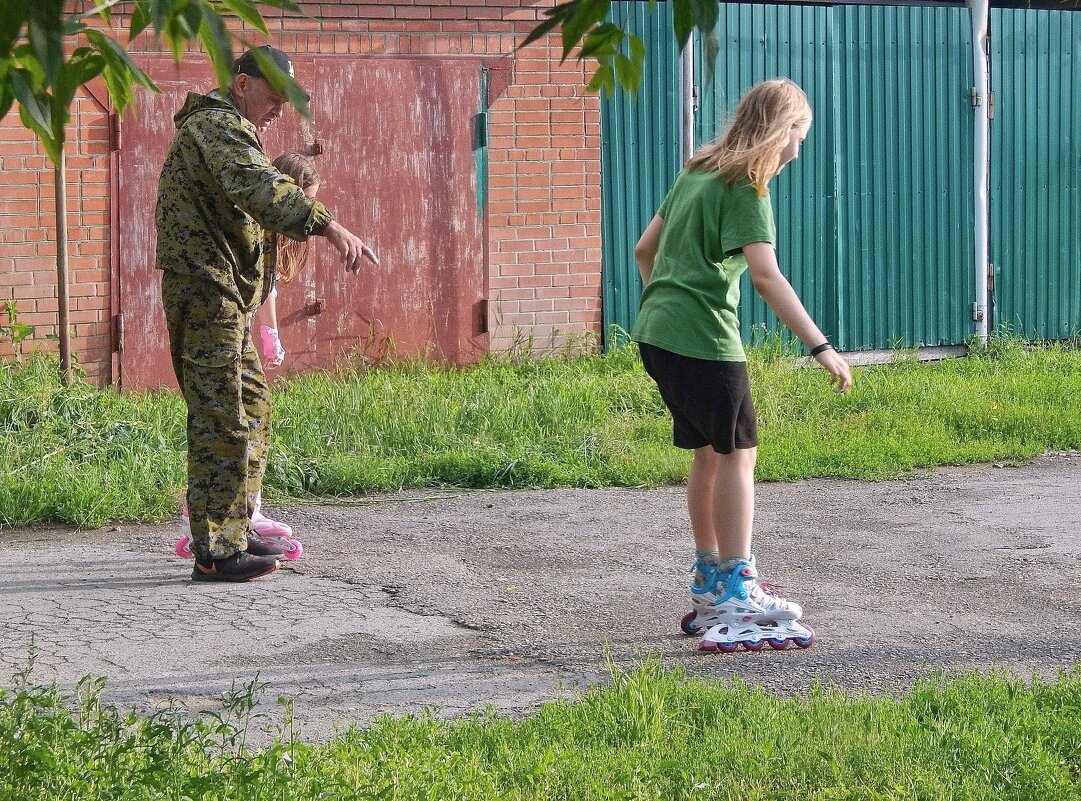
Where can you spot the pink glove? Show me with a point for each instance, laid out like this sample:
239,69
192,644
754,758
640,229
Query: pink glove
273,352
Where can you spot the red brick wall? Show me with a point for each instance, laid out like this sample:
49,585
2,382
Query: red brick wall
28,236
544,187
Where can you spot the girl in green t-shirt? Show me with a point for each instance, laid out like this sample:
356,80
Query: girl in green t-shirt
715,223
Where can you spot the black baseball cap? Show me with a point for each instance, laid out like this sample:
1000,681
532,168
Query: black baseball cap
248,65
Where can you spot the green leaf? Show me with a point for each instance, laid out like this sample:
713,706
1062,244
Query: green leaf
160,10
114,52
118,84
36,114
247,12
47,43
37,107
13,16
73,26
603,80
140,19
683,21
602,42
218,44
629,73
586,14
706,13
120,72
84,65
190,20
543,29
7,97
638,49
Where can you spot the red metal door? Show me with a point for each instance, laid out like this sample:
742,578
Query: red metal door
398,165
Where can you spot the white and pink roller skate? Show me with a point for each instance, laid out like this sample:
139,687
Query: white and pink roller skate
269,531
274,531
735,611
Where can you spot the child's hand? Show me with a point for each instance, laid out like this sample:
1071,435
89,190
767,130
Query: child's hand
840,374
273,352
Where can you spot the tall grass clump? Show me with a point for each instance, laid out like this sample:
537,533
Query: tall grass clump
1006,403
85,456
587,421
648,734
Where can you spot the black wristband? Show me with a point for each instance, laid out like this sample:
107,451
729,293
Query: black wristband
820,348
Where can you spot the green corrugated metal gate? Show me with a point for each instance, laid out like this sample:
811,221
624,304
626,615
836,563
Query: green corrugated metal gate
639,158
1036,171
876,219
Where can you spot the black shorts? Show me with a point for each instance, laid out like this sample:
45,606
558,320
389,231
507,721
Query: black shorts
710,401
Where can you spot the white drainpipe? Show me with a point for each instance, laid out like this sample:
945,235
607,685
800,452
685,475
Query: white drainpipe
981,99
687,104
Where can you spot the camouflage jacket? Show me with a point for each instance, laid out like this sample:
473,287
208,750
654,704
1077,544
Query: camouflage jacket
219,195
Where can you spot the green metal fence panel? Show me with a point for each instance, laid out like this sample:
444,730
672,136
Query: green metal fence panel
766,41
1036,171
906,259
639,158
875,219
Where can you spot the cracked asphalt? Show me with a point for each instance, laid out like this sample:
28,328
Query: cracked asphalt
452,602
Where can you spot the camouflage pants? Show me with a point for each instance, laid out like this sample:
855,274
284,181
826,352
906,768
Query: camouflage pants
228,400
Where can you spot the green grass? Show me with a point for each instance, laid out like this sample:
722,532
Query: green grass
88,456
649,734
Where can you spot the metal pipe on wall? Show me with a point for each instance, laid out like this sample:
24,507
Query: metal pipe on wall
981,97
686,90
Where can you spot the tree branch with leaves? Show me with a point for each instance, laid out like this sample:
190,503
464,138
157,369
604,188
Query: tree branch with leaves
585,25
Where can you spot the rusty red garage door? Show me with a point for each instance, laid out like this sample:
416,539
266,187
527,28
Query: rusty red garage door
399,166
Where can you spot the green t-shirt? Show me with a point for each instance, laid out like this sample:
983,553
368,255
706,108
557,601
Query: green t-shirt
689,305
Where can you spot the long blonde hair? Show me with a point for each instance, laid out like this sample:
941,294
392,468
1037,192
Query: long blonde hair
751,146
293,254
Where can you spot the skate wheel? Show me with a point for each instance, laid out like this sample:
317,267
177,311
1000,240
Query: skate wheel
688,626
805,642
292,549
714,647
777,643
754,645
183,548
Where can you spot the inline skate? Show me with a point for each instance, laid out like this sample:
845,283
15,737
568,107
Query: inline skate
733,610
270,532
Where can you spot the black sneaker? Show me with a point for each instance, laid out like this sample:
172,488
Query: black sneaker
241,566
258,546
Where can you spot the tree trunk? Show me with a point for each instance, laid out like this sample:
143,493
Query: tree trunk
61,193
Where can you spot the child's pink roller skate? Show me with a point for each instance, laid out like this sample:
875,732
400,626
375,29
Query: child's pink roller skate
270,531
273,531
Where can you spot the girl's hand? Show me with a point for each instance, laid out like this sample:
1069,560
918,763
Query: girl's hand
840,374
273,352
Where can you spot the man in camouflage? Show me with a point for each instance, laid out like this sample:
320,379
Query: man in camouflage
218,196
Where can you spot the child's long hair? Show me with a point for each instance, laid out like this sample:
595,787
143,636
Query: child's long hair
751,145
293,254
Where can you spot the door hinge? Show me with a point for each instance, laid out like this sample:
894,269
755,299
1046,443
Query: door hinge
977,312
118,333
115,132
480,309
977,101
480,130
991,276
